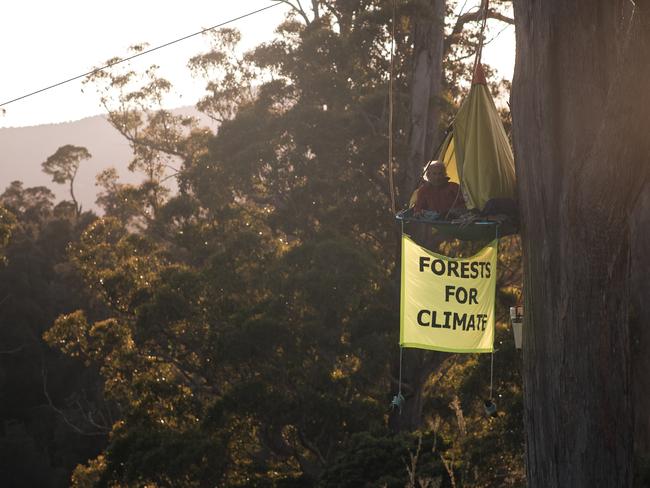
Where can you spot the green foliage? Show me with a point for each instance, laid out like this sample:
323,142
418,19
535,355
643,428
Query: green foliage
45,431
7,222
642,471
369,460
189,458
23,462
63,165
30,205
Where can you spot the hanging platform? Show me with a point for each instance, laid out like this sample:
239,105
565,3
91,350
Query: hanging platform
477,156
477,230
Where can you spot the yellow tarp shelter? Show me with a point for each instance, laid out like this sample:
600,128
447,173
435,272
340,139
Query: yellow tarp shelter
477,151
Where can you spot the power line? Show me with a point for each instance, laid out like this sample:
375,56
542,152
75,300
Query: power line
97,70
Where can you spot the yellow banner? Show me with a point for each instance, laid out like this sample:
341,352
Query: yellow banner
447,303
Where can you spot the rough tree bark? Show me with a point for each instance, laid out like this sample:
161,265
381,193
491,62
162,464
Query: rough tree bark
426,90
581,111
640,324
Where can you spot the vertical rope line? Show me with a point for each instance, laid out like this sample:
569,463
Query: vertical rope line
399,385
397,401
491,372
496,236
391,181
479,48
477,60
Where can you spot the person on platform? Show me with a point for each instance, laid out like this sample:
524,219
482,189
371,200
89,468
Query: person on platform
438,194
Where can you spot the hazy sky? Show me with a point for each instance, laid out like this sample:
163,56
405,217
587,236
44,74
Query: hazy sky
45,42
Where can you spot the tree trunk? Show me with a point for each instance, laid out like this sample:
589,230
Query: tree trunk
426,90
77,207
580,117
640,324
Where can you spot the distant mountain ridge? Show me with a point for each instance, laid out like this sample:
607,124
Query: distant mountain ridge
23,149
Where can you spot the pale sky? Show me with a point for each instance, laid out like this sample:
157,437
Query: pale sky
44,42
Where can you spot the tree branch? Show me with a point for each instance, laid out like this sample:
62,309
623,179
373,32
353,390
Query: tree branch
478,15
14,350
310,446
489,41
298,9
74,427
475,16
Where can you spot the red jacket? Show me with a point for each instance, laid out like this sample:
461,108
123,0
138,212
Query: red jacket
439,199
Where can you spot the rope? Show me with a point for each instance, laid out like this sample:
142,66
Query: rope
461,175
491,373
399,385
479,48
398,400
496,236
477,60
460,178
391,181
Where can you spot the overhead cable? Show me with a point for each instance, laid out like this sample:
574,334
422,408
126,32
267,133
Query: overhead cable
142,53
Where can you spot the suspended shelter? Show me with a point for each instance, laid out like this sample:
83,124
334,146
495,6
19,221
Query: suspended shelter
477,155
448,304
